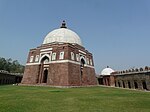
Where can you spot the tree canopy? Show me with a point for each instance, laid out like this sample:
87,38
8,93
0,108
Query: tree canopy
10,65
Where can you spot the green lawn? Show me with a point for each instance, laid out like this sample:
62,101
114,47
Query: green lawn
91,99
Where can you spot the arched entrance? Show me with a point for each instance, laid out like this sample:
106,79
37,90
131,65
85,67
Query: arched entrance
100,81
123,84
45,74
129,85
44,70
82,68
119,84
144,85
135,85
82,62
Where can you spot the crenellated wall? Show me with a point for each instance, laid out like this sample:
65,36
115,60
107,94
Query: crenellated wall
132,79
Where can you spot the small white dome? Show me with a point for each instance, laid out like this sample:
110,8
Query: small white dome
62,35
107,71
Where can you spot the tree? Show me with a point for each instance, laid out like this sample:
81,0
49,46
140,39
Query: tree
11,66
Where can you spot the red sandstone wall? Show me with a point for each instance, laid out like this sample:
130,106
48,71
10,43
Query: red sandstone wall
74,74
89,75
75,79
30,74
58,74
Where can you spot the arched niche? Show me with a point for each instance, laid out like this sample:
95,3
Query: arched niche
44,57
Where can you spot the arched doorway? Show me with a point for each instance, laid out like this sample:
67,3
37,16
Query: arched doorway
100,81
82,62
81,68
135,85
119,84
129,85
44,70
123,84
144,85
45,74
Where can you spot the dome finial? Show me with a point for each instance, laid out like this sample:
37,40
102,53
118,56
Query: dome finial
63,25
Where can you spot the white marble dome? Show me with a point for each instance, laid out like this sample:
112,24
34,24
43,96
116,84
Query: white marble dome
62,35
107,71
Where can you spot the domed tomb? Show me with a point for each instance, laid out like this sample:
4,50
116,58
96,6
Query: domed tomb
107,71
61,60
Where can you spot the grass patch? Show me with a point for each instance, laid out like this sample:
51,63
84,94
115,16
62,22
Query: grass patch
91,99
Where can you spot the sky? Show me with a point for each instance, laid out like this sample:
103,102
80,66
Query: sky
116,32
